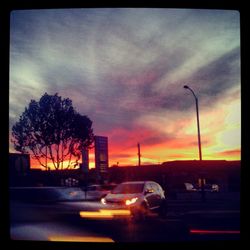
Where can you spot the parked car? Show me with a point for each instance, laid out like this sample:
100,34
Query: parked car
211,187
189,187
140,197
207,187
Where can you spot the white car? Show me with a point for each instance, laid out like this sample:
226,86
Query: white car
140,197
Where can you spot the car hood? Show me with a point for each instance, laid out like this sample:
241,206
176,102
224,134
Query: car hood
119,197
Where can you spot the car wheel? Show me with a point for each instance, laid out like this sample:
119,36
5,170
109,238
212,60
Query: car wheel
141,214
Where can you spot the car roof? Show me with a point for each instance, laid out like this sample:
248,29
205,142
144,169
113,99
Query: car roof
42,187
137,182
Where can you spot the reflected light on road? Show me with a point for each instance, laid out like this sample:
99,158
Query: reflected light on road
80,238
198,231
104,213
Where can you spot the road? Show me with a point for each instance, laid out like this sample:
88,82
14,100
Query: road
185,221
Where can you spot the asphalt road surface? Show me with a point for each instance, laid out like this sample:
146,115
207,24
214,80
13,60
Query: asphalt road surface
185,221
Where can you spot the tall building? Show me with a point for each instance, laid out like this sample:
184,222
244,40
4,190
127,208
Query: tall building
85,161
101,154
19,163
19,169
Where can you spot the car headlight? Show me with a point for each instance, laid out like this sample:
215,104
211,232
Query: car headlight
103,201
131,201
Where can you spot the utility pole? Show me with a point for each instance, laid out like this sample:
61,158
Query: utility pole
139,154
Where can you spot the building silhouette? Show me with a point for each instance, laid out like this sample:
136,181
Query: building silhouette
85,161
101,154
19,163
19,168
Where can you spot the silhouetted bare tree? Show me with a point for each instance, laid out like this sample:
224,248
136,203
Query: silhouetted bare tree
52,131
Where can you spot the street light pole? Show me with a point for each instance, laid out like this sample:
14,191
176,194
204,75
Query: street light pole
203,198
198,123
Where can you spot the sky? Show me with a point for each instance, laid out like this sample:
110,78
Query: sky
125,69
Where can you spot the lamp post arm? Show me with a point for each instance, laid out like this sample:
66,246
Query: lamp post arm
198,123
196,99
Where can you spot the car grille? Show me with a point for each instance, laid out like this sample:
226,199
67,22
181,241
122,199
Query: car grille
115,202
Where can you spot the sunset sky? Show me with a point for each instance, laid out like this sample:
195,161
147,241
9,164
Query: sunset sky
125,69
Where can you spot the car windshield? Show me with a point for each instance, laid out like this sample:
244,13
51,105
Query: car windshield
129,188
52,194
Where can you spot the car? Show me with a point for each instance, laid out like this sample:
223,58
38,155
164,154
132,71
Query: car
142,198
44,203
97,192
197,188
189,186
211,187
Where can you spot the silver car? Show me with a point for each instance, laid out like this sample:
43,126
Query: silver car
44,203
140,197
